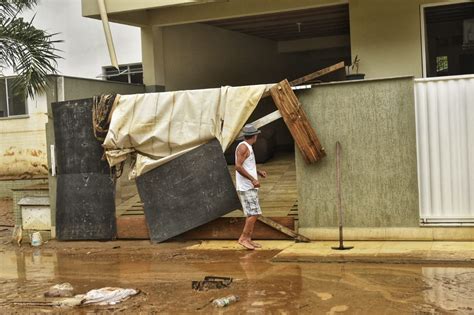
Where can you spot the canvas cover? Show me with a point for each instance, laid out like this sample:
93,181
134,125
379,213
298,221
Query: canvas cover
159,127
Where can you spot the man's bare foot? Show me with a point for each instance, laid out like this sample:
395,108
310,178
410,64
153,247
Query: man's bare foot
246,244
255,244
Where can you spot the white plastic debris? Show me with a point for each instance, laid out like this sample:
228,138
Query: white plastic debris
36,239
107,296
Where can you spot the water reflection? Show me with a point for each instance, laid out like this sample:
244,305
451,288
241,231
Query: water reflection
450,288
262,285
28,266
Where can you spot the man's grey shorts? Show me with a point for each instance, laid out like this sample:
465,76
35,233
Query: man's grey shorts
249,200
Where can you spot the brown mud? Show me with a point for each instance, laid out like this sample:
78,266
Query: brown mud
164,273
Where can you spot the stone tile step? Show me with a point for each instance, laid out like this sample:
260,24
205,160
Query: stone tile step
379,252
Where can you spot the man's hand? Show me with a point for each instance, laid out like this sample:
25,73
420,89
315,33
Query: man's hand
255,183
262,173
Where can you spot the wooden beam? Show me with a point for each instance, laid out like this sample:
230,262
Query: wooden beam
231,228
311,76
283,229
225,228
265,120
297,122
317,74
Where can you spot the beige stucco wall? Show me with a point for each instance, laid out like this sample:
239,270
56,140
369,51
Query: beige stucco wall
197,56
23,143
203,56
387,36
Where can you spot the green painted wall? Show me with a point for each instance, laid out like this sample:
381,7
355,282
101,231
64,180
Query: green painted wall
375,122
7,186
78,88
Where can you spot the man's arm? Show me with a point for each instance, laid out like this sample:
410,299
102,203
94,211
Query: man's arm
242,154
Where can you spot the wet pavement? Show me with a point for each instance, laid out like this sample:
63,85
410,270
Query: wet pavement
164,275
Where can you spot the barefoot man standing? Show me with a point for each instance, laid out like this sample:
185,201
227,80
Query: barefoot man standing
247,184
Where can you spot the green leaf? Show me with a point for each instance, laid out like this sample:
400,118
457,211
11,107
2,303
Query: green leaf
31,52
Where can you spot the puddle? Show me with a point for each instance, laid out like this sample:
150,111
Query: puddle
338,309
165,279
323,295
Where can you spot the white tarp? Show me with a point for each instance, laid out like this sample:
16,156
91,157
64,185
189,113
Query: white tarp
161,126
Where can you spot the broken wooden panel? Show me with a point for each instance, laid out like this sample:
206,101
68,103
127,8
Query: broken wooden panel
77,150
85,207
297,122
187,192
134,227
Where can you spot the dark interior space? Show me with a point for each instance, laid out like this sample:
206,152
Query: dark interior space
309,40
450,39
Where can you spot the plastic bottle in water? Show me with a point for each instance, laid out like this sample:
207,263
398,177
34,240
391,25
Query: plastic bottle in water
223,302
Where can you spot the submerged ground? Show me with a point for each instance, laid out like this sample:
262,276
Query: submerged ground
164,273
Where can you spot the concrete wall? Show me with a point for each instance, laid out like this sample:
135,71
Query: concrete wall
77,88
375,122
203,56
6,186
387,36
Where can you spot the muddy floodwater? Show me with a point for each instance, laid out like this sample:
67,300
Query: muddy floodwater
164,277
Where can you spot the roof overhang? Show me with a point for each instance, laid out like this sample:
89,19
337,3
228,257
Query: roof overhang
175,12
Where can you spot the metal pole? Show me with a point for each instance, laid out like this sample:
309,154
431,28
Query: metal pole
339,198
338,191
108,33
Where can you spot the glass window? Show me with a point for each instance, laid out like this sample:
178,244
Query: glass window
16,100
449,39
3,98
132,73
12,103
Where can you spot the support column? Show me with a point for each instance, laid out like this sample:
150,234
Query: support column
153,59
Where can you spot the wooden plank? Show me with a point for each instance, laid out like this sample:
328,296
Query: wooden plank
132,227
135,227
318,74
295,118
312,76
231,228
265,120
283,229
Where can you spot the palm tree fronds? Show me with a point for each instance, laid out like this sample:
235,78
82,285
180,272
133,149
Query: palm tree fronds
29,51
10,8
